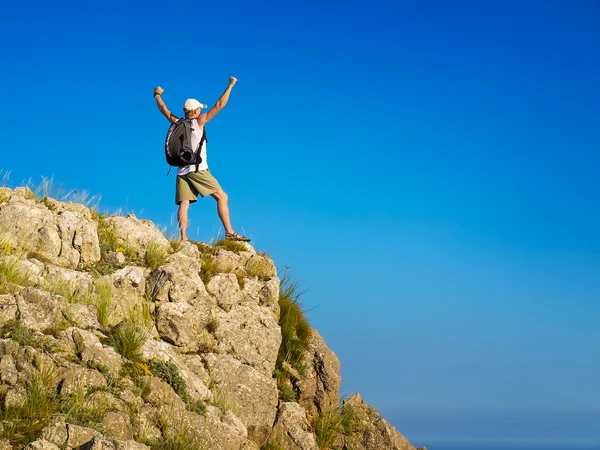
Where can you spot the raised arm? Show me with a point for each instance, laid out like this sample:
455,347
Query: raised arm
162,107
212,112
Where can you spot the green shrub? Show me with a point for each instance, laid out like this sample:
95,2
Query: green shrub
24,337
169,373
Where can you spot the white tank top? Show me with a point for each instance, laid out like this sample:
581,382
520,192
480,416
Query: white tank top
196,136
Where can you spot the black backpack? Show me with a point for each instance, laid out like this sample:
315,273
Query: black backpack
178,144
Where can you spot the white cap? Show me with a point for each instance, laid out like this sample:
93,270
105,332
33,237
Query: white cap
191,104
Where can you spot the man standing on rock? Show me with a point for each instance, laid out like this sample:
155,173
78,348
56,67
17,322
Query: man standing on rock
197,179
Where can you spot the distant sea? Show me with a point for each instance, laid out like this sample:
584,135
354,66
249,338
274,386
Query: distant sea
511,447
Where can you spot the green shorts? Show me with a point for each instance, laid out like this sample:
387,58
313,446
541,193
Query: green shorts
188,186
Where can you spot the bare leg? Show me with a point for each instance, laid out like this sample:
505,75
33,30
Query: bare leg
223,210
182,217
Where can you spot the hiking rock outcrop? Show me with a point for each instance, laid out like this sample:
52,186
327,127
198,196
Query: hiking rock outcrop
114,337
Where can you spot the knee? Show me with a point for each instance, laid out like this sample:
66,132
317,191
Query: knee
221,196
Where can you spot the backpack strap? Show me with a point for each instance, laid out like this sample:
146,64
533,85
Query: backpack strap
202,141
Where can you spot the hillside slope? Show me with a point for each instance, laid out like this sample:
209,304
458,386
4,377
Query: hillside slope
114,337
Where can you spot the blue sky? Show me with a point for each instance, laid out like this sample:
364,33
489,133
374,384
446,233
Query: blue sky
428,170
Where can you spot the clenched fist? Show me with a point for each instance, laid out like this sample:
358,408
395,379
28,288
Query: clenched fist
158,90
232,81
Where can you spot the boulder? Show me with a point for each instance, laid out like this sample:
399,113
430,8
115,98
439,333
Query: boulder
252,393
39,310
41,444
292,429
117,425
76,377
92,352
370,430
8,309
250,334
136,234
319,387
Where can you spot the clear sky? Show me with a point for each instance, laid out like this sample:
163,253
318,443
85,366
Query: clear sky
428,170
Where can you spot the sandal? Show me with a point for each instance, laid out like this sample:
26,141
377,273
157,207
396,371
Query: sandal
236,237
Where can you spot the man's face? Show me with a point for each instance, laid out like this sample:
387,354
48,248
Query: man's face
193,114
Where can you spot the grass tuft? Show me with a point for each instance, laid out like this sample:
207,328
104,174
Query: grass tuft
11,273
331,423
211,325
127,338
232,246
295,333
209,269
155,256
103,299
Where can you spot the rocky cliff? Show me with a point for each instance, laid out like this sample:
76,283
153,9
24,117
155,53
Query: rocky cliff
114,337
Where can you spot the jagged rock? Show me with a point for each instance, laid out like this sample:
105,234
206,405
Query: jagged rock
269,295
77,280
180,324
105,443
92,352
251,291
117,425
157,349
41,444
69,238
318,388
116,258
250,334
248,445
8,371
216,430
76,377
188,248
8,347
226,289
78,436
128,290
171,283
370,431
130,277
40,310
137,234
261,266
252,393
292,428
145,423
228,261
104,401
56,431
160,394
235,353
83,316
8,309
15,397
